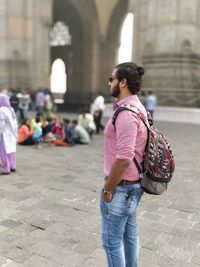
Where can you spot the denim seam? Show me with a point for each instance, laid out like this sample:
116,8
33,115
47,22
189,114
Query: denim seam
107,239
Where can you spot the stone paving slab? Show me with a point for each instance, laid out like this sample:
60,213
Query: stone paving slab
49,208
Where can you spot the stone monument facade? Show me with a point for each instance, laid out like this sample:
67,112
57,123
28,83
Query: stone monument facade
165,42
170,52
24,43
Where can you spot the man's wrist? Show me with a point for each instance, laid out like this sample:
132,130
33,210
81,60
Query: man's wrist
106,191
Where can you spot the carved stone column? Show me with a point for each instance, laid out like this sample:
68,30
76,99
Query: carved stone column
170,54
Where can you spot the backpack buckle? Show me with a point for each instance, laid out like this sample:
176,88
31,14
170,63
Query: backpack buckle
141,175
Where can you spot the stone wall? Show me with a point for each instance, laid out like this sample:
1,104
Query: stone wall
24,44
170,55
166,43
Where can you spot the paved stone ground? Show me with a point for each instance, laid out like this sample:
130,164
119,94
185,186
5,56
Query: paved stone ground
49,208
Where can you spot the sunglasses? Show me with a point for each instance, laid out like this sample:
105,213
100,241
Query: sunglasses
111,79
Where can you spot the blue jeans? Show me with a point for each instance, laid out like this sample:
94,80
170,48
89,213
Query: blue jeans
119,227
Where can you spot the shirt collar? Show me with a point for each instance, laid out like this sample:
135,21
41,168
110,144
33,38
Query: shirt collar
126,100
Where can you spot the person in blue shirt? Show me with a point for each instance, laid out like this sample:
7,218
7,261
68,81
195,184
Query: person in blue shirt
151,103
69,132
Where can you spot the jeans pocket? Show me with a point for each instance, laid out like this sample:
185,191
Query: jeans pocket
118,206
103,206
135,198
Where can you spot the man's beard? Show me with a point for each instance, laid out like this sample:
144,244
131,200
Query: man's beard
116,91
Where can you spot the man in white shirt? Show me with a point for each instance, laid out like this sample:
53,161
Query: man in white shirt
81,136
86,120
97,109
24,101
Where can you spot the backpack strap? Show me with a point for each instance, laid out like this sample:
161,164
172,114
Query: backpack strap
137,166
117,111
132,108
147,122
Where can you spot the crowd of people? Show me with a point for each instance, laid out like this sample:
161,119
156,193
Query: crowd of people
44,127
57,131
22,101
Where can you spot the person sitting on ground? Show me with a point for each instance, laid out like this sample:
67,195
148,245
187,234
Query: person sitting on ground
57,129
68,137
37,135
86,120
38,116
81,136
69,132
25,135
47,134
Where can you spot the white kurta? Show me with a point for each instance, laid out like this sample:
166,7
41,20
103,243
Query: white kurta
98,104
8,129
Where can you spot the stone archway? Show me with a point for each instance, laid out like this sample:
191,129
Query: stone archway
92,54
109,46
71,53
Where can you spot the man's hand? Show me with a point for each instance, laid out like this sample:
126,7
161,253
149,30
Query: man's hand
107,197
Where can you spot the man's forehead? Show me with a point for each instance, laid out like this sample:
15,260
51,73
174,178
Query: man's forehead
114,72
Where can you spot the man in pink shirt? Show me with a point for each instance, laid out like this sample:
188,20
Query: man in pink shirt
122,191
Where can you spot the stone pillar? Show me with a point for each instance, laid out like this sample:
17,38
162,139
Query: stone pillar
109,43
40,48
4,77
107,63
15,35
170,54
24,43
133,6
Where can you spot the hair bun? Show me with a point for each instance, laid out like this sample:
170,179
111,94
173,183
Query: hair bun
140,71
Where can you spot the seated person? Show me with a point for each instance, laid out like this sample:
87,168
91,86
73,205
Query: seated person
40,118
68,139
69,132
86,120
81,136
57,129
38,115
37,132
47,134
25,135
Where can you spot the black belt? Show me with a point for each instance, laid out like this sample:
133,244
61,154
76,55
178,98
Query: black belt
126,182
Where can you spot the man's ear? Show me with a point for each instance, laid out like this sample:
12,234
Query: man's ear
124,82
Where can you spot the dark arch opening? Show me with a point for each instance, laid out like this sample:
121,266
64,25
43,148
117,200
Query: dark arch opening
72,55
111,44
117,18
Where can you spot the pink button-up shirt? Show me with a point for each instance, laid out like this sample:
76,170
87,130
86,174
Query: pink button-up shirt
126,140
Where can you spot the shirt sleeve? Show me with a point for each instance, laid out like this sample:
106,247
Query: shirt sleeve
127,125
